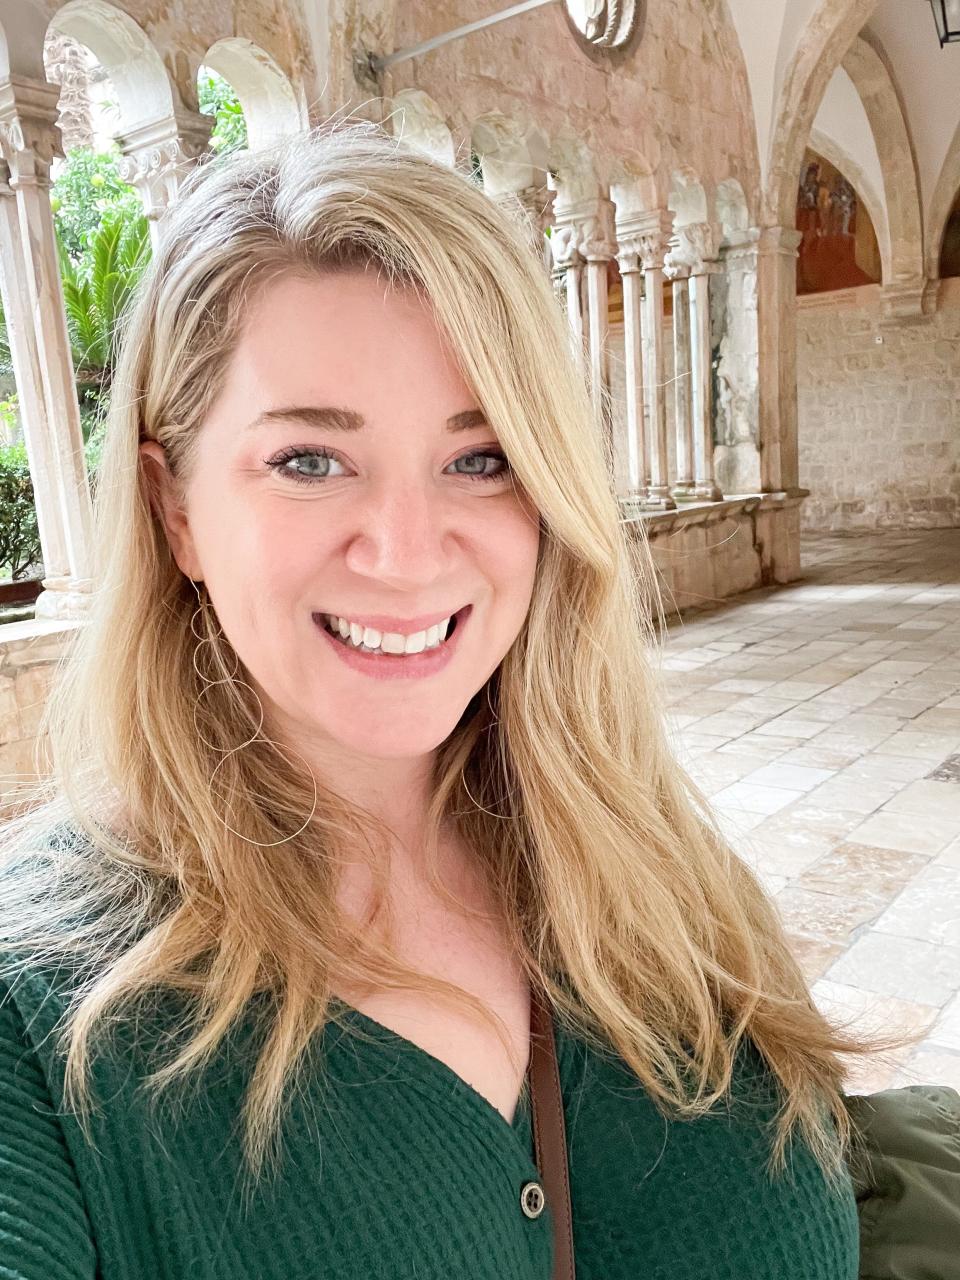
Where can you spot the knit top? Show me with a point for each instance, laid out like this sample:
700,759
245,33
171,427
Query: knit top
393,1167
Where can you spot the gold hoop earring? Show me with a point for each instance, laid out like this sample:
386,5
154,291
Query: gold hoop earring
231,680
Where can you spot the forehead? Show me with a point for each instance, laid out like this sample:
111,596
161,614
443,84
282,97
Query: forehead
340,336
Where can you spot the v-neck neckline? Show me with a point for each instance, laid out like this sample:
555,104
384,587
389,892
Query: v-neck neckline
434,1069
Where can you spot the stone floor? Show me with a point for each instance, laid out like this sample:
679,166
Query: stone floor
823,721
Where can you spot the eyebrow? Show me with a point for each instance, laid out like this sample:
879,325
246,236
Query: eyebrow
331,418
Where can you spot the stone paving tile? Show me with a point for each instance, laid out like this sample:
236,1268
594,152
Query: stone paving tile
844,696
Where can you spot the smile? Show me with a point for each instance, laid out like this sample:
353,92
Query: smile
384,665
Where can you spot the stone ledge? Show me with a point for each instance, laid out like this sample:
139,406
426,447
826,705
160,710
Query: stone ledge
706,513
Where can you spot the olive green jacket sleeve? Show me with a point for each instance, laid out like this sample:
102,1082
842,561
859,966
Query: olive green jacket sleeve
907,1180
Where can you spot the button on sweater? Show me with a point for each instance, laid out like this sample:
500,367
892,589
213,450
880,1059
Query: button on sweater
393,1167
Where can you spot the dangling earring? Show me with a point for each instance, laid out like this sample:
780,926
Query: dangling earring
207,683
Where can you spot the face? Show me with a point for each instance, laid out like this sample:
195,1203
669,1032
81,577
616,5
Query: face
393,513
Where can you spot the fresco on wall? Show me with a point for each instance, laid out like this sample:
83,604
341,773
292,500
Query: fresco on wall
839,247
950,251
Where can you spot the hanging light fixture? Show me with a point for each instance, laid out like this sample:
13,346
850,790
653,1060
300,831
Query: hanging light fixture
946,14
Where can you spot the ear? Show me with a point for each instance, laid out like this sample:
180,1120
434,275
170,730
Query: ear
165,505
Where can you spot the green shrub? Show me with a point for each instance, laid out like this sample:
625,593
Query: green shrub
19,535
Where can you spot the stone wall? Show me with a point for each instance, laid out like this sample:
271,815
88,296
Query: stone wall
879,413
679,100
29,654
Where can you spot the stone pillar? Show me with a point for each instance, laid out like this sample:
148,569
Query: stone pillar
677,271
157,157
734,294
654,228
40,346
537,203
567,272
597,246
777,325
628,259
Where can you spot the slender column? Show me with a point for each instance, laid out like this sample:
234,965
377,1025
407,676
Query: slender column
628,259
157,157
677,270
777,325
598,246
654,228
701,380
537,203
692,250
567,272
40,346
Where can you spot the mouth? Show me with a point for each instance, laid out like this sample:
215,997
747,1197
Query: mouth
350,643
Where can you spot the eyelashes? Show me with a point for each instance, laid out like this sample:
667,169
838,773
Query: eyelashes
278,464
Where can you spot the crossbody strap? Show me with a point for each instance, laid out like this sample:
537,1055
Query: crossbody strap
549,1133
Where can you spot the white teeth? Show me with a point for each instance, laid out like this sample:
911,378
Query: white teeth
392,642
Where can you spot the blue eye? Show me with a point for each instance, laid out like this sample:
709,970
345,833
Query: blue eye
320,474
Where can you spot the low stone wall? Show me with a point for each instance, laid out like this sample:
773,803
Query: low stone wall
706,552
879,412
29,654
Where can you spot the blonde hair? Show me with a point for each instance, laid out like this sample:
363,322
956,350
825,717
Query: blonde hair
626,903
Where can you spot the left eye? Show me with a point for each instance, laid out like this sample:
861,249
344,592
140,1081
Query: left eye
479,457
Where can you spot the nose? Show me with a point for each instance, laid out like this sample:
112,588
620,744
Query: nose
400,537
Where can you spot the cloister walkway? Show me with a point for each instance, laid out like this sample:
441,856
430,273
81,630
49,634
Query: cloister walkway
823,721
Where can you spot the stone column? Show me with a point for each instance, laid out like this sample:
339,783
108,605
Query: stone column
734,294
537,203
567,272
628,260
157,157
597,246
777,341
40,346
653,229
677,271
692,248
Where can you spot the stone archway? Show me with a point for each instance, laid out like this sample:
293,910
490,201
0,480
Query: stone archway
901,188
948,185
418,120
127,54
270,105
827,37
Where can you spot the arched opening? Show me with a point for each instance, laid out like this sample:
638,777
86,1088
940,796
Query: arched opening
260,107
950,246
839,247
217,97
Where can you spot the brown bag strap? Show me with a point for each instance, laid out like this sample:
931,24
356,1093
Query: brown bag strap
549,1133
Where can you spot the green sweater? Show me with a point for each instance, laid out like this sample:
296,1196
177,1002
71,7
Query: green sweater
395,1168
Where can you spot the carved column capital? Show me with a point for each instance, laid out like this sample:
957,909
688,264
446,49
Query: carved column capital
692,250
29,133
157,156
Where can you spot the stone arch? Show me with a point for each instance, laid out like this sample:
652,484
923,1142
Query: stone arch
948,185
512,156
22,33
127,53
416,118
871,76
687,200
269,103
732,211
826,38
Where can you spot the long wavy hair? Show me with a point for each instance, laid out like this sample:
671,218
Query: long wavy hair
625,902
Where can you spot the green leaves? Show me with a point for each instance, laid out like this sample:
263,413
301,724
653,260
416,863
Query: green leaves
97,289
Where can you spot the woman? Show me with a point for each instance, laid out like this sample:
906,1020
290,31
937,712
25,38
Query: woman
303,885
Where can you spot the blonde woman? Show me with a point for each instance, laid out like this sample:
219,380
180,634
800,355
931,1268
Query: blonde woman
361,746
